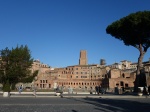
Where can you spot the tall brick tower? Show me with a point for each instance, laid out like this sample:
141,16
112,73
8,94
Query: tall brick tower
83,58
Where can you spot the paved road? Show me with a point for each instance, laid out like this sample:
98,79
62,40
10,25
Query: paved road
66,104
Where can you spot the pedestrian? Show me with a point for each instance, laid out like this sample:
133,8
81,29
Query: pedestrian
91,92
96,89
20,89
147,92
34,92
99,89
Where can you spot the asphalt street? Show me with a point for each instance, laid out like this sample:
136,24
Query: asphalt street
69,104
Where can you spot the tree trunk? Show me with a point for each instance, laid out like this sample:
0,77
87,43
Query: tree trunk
139,68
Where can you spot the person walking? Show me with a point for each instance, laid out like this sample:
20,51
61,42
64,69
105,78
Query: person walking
96,89
20,89
99,89
34,91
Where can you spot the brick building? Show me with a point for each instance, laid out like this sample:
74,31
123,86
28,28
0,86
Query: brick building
84,77
119,78
79,77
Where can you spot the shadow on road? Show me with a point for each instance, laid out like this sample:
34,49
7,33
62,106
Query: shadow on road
74,111
117,105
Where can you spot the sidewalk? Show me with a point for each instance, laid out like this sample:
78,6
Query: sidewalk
75,95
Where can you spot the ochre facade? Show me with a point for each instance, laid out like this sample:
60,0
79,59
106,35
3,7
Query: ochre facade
85,77
78,77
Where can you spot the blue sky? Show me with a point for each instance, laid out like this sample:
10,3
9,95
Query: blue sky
56,30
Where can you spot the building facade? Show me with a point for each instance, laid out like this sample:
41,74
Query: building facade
121,79
78,77
82,77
